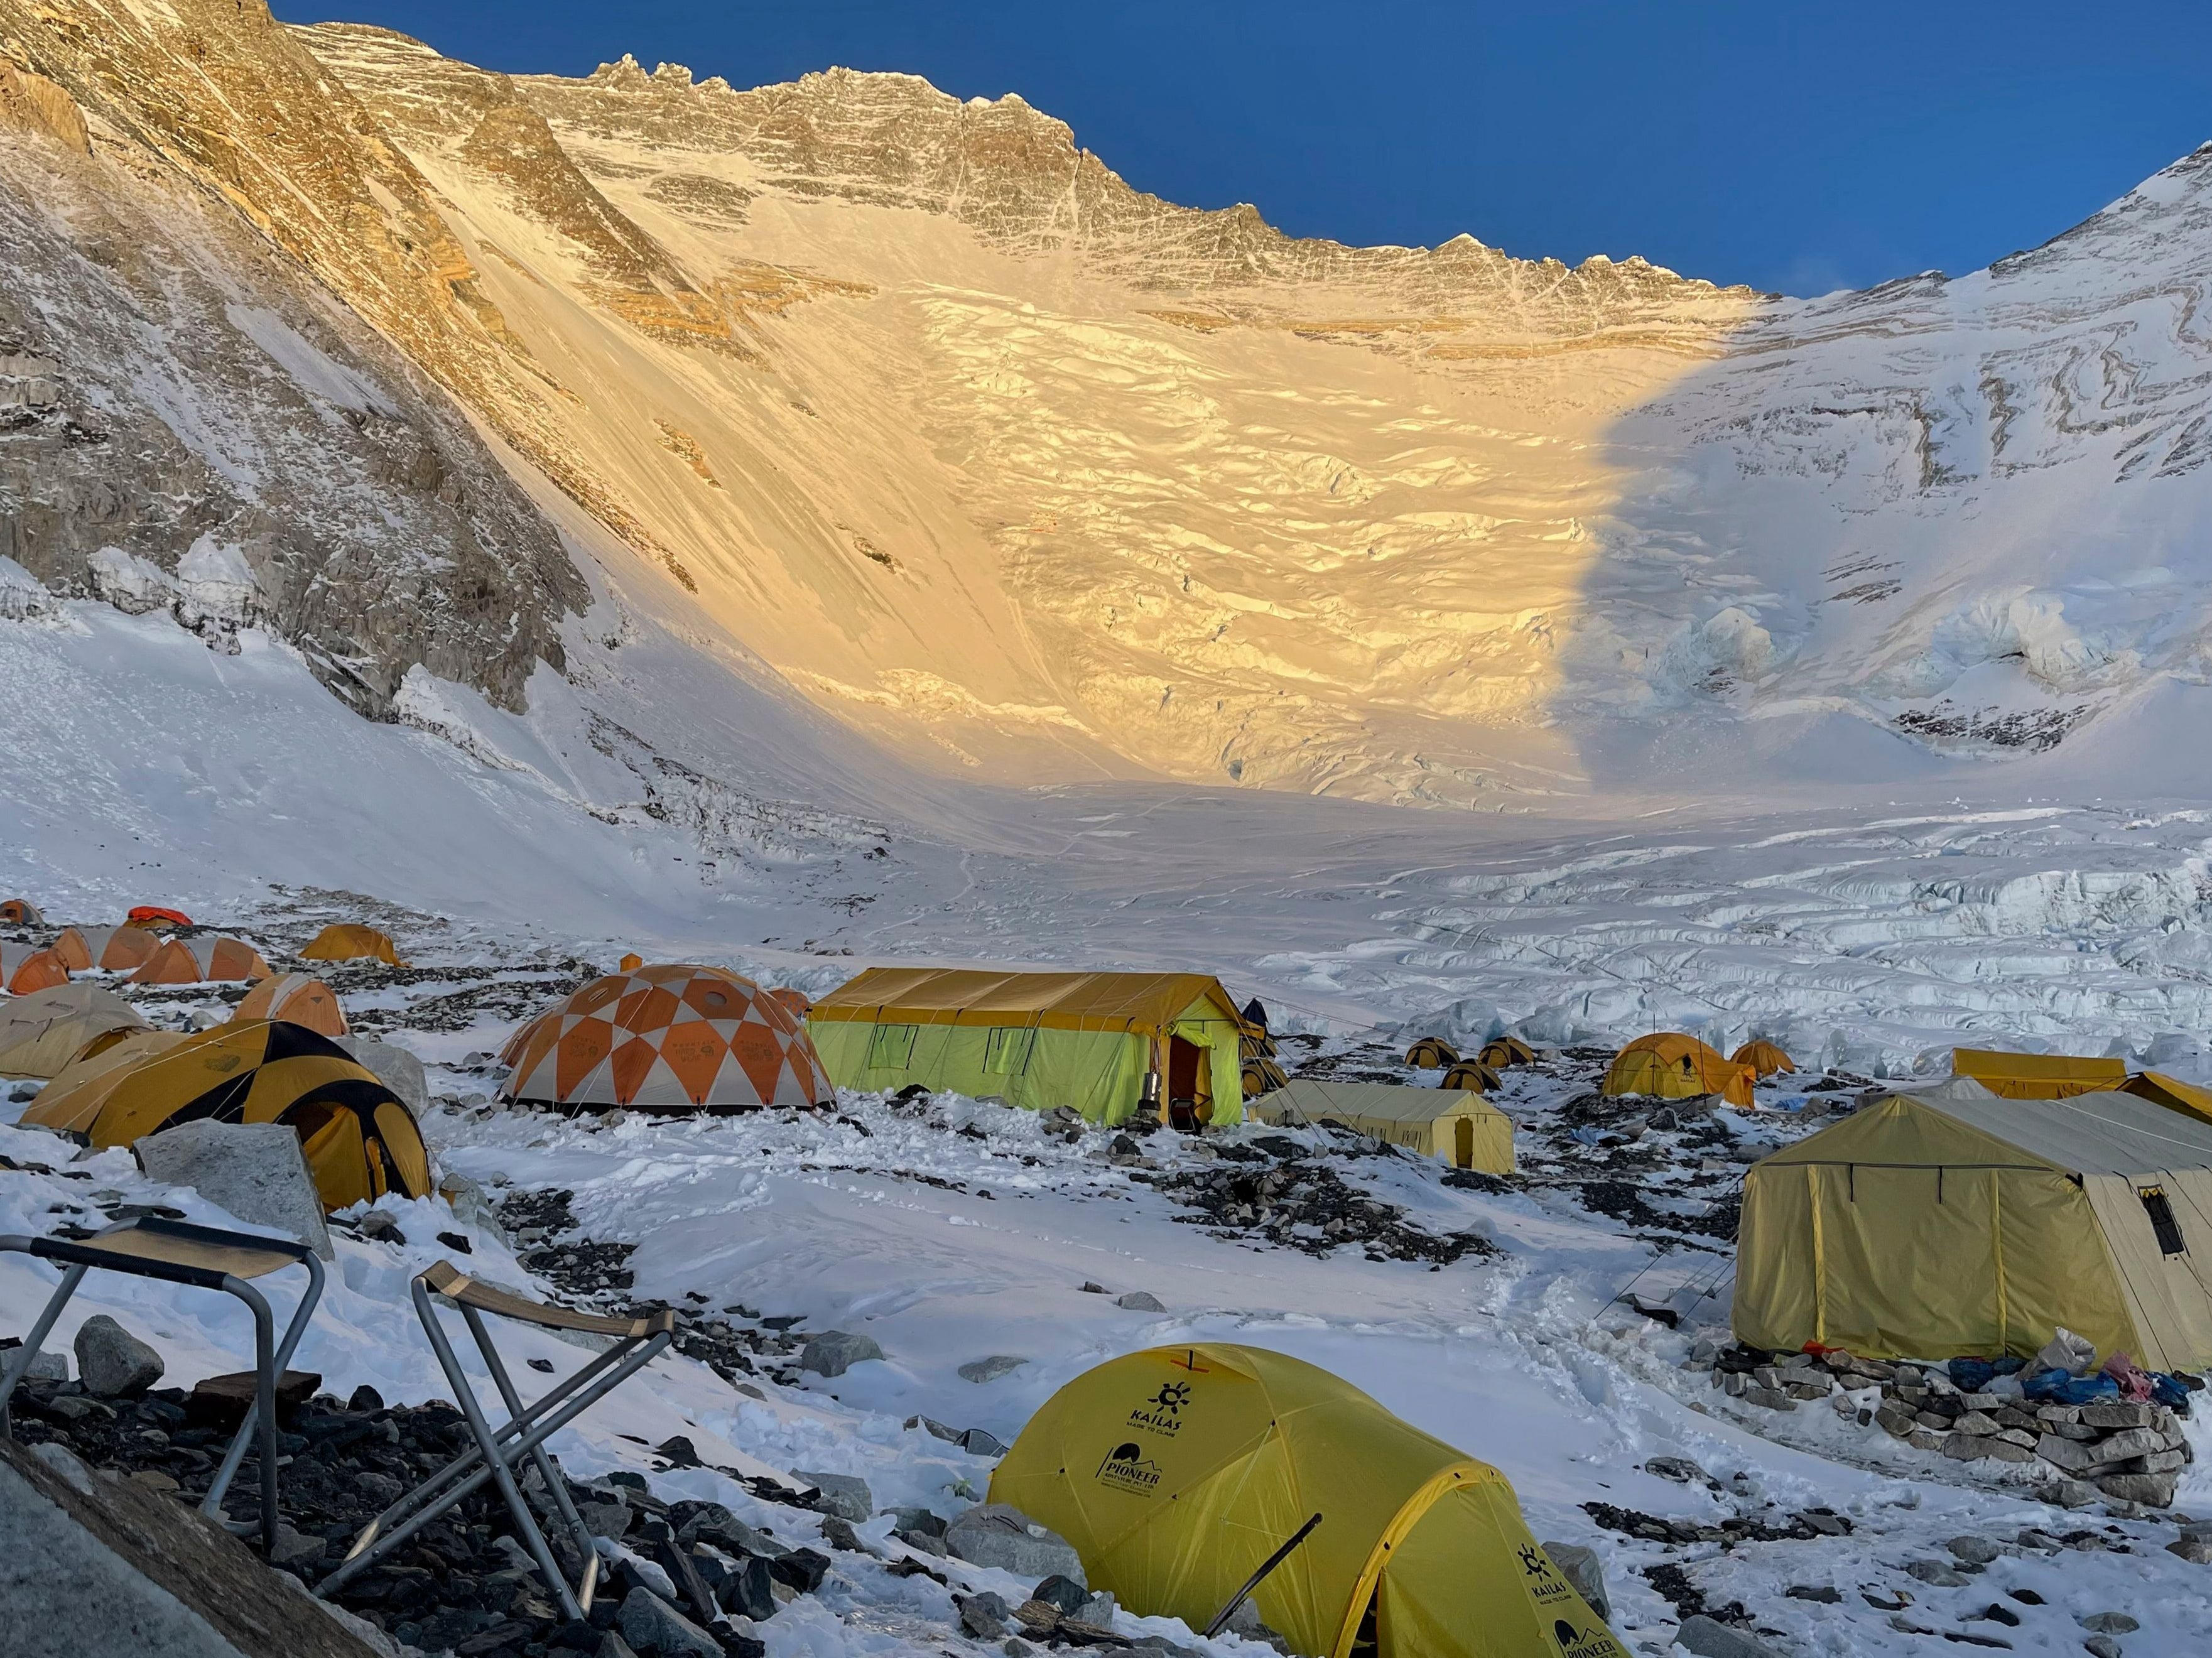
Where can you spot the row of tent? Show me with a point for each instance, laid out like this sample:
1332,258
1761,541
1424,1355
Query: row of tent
149,956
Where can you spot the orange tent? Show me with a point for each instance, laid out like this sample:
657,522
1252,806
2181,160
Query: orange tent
23,969
20,912
797,1000
176,962
1676,1066
156,916
343,942
1766,1058
666,1039
631,963
296,998
109,948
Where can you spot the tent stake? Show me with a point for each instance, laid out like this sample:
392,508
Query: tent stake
1222,1618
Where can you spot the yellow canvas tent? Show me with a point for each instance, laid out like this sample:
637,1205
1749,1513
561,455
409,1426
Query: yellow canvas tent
2171,1092
343,942
1471,1075
72,1101
42,1032
360,1140
1084,1039
1176,1472
1432,1054
1675,1066
1950,1222
1462,1128
1766,1058
1500,1051
2037,1076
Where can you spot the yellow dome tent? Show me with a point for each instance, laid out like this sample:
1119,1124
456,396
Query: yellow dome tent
42,1032
1432,1054
360,1140
1675,1066
72,1101
2038,1076
1471,1076
1177,1471
1766,1058
343,942
1500,1051
1460,1127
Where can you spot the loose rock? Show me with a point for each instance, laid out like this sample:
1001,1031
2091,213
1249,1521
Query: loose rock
1711,1639
111,1362
1580,1566
999,1534
835,1351
841,1494
991,1368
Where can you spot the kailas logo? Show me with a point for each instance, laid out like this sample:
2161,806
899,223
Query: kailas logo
1126,1468
1162,1413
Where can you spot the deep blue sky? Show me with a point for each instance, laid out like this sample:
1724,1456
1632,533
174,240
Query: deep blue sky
1791,145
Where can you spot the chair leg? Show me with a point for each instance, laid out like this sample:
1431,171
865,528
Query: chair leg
20,1366
211,1505
555,1487
466,1397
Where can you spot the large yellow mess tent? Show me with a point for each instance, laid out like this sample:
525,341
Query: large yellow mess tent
42,1032
1041,1039
1675,1066
1951,1221
1176,1472
2037,1076
1461,1127
360,1141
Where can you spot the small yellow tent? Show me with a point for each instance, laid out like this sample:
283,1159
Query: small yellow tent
1176,1472
360,1140
1472,1076
1675,1066
2170,1092
1500,1051
42,1032
1462,1128
1951,1221
1432,1054
343,942
1084,1039
1766,1058
2037,1076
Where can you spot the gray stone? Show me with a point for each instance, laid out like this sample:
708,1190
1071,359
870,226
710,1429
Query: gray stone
2135,1441
999,1534
2103,1646
1709,1639
2197,1551
1680,1469
1580,1568
2109,1623
395,1068
380,1488
1972,1448
1770,1399
2122,1415
1140,1301
1975,1423
2154,1489
1935,1574
611,1645
44,1367
2156,1462
111,1361
976,1442
255,1171
646,1620
295,1548
842,1494
2071,1455
1097,1610
984,1616
1974,1551
991,1368
835,1351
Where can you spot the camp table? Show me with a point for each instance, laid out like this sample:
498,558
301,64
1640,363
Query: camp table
207,1258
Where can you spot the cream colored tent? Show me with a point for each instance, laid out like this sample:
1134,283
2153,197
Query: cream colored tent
1464,1129
42,1032
1952,1222
2037,1076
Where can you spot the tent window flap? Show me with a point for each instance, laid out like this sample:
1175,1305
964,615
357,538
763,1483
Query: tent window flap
2170,1240
1006,1050
891,1047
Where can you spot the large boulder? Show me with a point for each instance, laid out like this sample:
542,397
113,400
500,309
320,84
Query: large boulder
844,1495
111,1361
1580,1567
394,1067
1711,1639
835,1351
650,1624
255,1171
1001,1535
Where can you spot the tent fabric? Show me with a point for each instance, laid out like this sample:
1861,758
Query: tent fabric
300,998
345,942
2170,1092
2037,1076
1953,1220
797,1003
42,1032
73,1101
1426,1120
1675,1066
1432,1054
21,912
666,1038
360,1141
156,916
105,948
1176,1472
1500,1051
24,969
200,961
1086,1040
1471,1075
1766,1058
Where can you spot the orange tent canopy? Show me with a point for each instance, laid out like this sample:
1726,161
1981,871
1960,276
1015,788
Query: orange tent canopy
176,962
1675,1065
20,912
109,948
157,915
343,942
1766,1058
296,998
23,969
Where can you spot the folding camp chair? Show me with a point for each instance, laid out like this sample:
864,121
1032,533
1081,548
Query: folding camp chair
207,1258
638,1342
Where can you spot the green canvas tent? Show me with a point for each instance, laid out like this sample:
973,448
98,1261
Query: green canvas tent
1040,1040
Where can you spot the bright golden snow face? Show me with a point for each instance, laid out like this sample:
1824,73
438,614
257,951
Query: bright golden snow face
1034,475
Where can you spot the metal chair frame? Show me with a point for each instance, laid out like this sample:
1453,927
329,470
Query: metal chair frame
270,1356
497,1450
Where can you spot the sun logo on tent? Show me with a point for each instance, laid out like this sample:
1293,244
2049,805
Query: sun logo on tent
1172,1396
1534,1563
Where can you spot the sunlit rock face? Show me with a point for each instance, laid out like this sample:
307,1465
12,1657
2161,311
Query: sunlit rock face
1040,477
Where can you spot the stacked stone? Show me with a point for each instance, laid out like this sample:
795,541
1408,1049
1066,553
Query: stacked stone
2115,1449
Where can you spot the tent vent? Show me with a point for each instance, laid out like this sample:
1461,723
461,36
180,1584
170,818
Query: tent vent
891,1047
2162,1220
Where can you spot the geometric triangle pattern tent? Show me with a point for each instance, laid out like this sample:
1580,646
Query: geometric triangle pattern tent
1176,1472
360,1140
668,1039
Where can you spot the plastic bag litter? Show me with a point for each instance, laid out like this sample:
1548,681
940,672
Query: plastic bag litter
2065,1352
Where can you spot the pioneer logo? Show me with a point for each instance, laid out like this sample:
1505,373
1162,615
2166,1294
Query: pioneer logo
1126,1468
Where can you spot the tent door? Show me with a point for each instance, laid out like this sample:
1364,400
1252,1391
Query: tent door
1463,1143
1184,1059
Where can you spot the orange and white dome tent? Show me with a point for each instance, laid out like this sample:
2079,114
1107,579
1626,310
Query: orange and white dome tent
20,912
296,998
668,1039
108,948
202,960
24,969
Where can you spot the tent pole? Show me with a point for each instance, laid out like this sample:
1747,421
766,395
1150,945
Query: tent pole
1222,1618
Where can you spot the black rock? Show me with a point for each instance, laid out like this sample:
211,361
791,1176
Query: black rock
1062,1592
454,1240
746,1590
802,1569
740,1646
680,1451
364,1398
